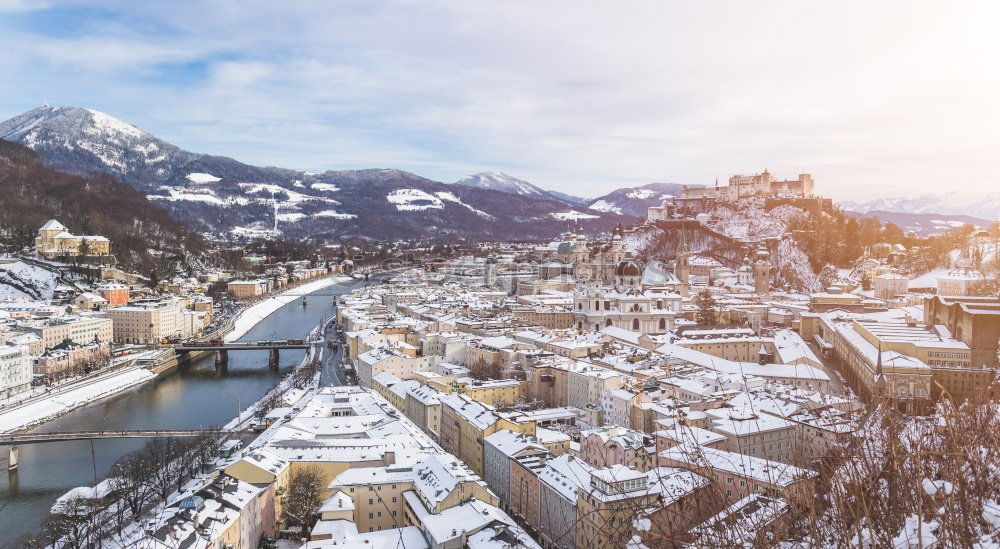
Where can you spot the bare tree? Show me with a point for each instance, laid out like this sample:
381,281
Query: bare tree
301,503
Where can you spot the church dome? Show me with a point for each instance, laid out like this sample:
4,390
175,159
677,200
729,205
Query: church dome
565,248
629,267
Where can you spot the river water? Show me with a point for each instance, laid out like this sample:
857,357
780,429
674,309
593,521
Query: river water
191,396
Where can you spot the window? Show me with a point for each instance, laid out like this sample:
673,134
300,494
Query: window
635,324
371,501
371,516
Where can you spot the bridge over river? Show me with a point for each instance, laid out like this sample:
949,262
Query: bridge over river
222,349
17,439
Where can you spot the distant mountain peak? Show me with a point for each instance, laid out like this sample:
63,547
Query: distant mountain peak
634,201
65,119
496,180
976,204
220,196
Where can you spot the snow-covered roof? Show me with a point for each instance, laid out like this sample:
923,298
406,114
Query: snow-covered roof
53,225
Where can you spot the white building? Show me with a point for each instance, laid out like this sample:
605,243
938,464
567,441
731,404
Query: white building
627,305
15,370
889,285
958,282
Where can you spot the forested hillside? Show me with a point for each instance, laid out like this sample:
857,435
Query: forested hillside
144,238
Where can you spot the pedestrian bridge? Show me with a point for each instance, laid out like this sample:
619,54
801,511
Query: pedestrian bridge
13,440
34,438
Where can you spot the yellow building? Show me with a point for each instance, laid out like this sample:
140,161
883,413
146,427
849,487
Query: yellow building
246,289
908,362
382,495
465,422
54,240
499,392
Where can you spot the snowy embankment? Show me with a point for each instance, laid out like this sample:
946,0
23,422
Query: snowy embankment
22,417
259,311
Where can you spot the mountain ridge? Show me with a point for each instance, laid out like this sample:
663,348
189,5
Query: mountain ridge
974,204
222,197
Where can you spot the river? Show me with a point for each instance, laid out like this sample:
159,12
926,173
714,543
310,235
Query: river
191,396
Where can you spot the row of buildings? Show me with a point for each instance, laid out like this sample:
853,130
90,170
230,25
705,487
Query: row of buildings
576,431
385,483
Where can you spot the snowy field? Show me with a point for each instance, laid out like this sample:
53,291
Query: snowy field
18,273
259,311
43,410
928,279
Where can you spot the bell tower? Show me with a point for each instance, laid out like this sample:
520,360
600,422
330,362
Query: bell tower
683,266
762,270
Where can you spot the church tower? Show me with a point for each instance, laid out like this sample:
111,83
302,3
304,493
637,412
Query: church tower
683,266
762,270
490,272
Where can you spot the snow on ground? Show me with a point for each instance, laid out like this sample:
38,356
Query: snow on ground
291,217
449,197
414,200
572,215
41,410
202,178
193,195
294,198
749,221
105,124
641,240
928,279
605,206
946,224
328,187
334,214
259,311
42,280
250,232
641,194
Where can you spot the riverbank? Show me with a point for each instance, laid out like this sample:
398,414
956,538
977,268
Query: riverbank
52,406
38,412
261,310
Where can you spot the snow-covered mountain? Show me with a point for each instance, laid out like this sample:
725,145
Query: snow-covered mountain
221,196
924,224
506,183
980,205
634,201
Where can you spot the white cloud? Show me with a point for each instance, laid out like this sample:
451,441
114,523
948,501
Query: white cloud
578,96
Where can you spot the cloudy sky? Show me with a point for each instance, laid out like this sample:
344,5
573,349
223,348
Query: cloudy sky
872,98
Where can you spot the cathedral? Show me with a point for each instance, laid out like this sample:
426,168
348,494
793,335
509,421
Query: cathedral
609,285
576,255
627,303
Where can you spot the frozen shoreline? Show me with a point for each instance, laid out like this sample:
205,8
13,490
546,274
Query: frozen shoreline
259,311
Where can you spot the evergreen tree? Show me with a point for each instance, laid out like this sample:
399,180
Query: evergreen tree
707,308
